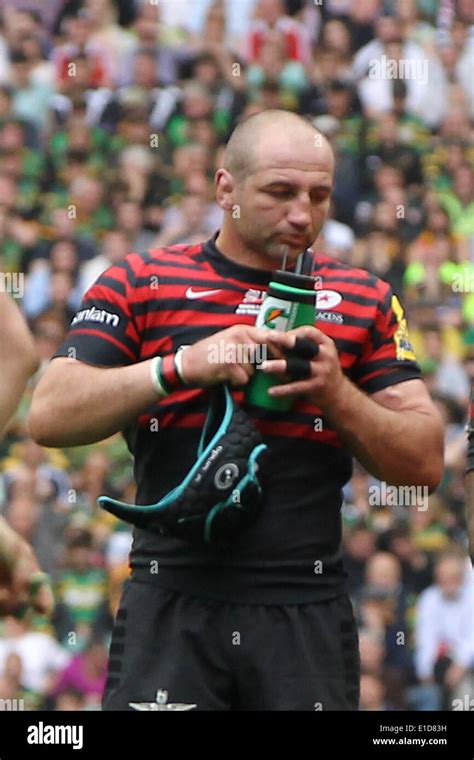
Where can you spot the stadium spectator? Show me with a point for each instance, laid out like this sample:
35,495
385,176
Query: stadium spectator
81,591
271,15
444,652
85,675
115,246
40,654
44,290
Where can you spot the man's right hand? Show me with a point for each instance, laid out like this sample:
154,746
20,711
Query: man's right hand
227,356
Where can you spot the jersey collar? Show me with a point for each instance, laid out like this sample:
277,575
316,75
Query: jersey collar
229,268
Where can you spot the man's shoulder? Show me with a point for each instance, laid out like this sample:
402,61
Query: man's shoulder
144,263
331,269
165,255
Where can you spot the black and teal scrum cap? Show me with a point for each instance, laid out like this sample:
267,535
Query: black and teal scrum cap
222,493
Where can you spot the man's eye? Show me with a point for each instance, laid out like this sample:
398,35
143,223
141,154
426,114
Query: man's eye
280,193
319,197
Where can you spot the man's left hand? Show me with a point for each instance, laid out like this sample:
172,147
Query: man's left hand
326,382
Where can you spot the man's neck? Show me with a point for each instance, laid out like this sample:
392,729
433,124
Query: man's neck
234,249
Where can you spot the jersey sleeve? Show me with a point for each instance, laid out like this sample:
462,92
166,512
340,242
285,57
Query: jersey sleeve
104,332
388,356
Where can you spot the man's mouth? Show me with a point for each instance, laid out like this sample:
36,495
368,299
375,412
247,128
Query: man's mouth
294,239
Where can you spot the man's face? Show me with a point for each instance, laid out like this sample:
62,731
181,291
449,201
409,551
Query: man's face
283,204
464,184
388,28
339,103
80,558
449,576
144,70
115,246
270,10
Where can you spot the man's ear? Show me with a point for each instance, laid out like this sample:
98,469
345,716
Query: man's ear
225,185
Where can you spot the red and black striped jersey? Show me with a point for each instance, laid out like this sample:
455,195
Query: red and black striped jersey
155,302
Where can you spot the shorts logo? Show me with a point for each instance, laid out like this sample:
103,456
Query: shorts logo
327,299
96,315
161,703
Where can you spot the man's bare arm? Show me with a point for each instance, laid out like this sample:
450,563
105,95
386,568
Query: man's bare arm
75,403
397,433
18,357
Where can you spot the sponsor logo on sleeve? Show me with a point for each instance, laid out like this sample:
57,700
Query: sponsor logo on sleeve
326,301
96,315
400,337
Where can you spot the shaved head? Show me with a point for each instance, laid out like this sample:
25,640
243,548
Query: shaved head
274,187
243,152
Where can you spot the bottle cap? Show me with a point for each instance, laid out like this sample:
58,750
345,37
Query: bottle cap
302,281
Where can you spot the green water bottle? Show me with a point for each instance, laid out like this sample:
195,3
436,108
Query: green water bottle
290,302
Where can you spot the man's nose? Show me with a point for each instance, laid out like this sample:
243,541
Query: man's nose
299,214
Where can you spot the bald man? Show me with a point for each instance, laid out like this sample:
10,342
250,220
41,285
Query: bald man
265,624
21,581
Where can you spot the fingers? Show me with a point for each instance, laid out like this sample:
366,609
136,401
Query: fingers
305,331
299,387
40,593
296,375
298,368
240,375
304,348
38,597
310,367
297,362
29,587
13,603
233,354
264,335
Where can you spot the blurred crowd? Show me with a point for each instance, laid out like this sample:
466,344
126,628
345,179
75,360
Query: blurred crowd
113,119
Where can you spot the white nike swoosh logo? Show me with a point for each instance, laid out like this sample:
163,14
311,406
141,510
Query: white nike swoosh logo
190,293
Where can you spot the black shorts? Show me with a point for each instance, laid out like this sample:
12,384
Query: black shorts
222,656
